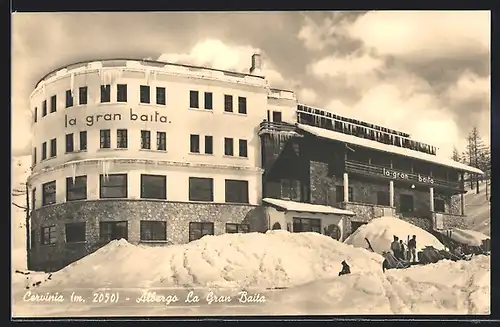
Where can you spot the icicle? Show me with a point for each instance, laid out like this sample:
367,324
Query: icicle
148,75
72,84
73,172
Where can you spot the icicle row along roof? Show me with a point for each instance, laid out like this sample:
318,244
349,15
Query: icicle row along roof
340,137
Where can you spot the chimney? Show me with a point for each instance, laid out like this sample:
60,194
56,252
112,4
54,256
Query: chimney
256,68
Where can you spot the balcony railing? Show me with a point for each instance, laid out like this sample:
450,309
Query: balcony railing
267,127
394,174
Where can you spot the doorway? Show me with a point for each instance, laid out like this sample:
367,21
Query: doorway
406,203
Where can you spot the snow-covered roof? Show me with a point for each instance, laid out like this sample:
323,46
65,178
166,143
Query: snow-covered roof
332,135
306,207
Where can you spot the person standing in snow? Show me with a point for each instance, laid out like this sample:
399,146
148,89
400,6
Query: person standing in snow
396,248
403,252
412,249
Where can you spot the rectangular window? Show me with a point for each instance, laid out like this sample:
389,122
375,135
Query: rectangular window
228,146
277,116
105,136
70,147
76,189
161,141
383,198
49,193
146,140
242,105
121,92
208,100
44,108
236,191
34,157
243,148
113,230
145,94
209,144
201,189
53,148
406,204
75,232
44,150
33,199
439,205
35,115
53,104
105,93
237,228
48,235
193,99
113,186
306,225
82,95
228,103
161,95
153,230
197,230
153,187
121,138
69,99
194,141
83,140
339,193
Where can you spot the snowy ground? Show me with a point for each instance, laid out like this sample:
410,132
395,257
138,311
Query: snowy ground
478,209
305,264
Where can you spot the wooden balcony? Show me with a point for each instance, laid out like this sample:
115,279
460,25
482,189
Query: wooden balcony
394,174
278,128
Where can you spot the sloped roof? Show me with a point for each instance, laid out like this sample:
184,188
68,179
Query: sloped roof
351,139
306,207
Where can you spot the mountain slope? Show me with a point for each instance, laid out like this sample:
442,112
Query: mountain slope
478,209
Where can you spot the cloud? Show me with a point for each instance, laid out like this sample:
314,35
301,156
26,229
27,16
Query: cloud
424,36
318,33
469,87
307,95
216,54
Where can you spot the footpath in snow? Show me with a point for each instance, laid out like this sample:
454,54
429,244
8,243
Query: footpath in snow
306,265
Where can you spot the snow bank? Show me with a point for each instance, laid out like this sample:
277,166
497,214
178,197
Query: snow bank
277,258
469,237
380,232
443,288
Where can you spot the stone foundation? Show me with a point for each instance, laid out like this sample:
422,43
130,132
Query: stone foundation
424,223
454,221
176,214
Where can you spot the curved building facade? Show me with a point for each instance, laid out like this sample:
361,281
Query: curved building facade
148,151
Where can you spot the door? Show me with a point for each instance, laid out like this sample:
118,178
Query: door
406,203
277,116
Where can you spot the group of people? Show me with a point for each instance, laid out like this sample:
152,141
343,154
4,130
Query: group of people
401,252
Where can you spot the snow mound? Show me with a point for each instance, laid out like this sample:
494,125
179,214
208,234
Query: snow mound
276,258
469,237
445,287
380,232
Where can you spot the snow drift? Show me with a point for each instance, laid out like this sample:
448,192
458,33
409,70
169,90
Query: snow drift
277,258
380,232
469,237
306,264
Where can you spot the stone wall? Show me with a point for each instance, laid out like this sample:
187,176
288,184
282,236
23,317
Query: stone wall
454,221
455,207
424,223
176,214
322,186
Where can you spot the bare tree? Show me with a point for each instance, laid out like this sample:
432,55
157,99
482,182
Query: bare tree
475,155
18,192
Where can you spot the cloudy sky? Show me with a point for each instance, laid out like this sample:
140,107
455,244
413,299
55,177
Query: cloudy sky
426,73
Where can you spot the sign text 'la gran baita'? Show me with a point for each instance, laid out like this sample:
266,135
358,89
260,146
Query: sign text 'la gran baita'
90,120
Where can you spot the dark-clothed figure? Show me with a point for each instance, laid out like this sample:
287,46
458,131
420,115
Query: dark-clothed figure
403,252
345,269
396,248
412,249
